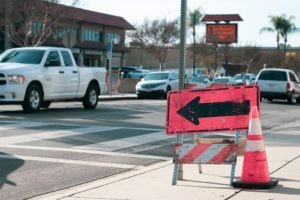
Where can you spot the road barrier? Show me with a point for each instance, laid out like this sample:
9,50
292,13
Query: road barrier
209,110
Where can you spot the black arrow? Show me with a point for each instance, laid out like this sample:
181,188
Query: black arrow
195,110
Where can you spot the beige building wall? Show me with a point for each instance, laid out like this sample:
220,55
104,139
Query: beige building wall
138,57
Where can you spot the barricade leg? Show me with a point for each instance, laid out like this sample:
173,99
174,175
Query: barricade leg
196,141
236,141
175,174
178,168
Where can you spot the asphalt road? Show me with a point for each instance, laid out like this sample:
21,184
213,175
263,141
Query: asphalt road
66,145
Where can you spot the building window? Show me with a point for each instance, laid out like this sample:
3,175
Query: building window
60,34
114,37
92,35
36,28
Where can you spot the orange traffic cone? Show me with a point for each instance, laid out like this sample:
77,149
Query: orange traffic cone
255,172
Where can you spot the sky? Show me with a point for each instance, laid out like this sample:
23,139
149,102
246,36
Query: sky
255,15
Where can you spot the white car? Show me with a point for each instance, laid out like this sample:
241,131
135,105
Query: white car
198,82
249,78
277,83
157,84
223,80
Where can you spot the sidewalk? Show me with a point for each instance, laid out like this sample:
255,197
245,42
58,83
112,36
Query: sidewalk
154,182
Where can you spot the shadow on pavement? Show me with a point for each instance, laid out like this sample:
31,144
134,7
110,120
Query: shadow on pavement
8,164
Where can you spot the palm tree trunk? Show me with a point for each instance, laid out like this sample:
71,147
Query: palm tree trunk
277,41
194,50
285,42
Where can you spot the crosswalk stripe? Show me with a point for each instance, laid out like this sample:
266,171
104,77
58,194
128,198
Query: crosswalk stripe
113,145
20,125
54,134
75,162
72,150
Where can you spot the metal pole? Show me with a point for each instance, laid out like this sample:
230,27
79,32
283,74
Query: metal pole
182,50
236,141
110,67
178,171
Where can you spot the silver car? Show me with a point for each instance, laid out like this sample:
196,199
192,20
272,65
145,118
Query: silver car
277,83
157,84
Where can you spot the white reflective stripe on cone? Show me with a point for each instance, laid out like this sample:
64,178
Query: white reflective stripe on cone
254,127
254,145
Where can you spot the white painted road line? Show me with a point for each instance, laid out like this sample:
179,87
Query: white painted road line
74,162
18,125
123,143
54,134
72,150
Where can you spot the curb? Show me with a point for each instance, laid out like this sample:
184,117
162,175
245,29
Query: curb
113,98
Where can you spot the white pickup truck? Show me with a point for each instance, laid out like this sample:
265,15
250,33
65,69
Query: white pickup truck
36,76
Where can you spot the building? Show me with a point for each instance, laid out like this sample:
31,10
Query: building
88,34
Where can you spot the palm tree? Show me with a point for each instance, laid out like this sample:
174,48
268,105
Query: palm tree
194,20
277,23
287,27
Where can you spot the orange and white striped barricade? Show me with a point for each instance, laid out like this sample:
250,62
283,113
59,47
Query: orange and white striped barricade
206,153
217,109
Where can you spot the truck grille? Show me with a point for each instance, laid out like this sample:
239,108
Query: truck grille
2,79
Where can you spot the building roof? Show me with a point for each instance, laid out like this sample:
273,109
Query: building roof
83,15
223,17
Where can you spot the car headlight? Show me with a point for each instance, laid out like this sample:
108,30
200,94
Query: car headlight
16,79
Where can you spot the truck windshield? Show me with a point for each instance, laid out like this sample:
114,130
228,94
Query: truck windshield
24,57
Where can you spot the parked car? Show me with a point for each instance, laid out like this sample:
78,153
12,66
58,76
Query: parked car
223,80
249,78
198,82
125,70
36,76
277,83
140,73
157,84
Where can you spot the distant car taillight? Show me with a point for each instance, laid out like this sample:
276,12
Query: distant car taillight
288,86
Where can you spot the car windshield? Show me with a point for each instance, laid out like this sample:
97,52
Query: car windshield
156,76
24,56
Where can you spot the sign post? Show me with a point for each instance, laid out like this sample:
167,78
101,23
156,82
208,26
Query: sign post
109,48
178,171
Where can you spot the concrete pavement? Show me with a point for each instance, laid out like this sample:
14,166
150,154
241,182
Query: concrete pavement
154,182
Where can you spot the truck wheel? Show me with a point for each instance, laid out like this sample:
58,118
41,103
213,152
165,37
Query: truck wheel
90,99
33,99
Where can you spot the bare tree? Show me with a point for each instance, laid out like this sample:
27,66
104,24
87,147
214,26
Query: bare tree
30,22
248,56
157,37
